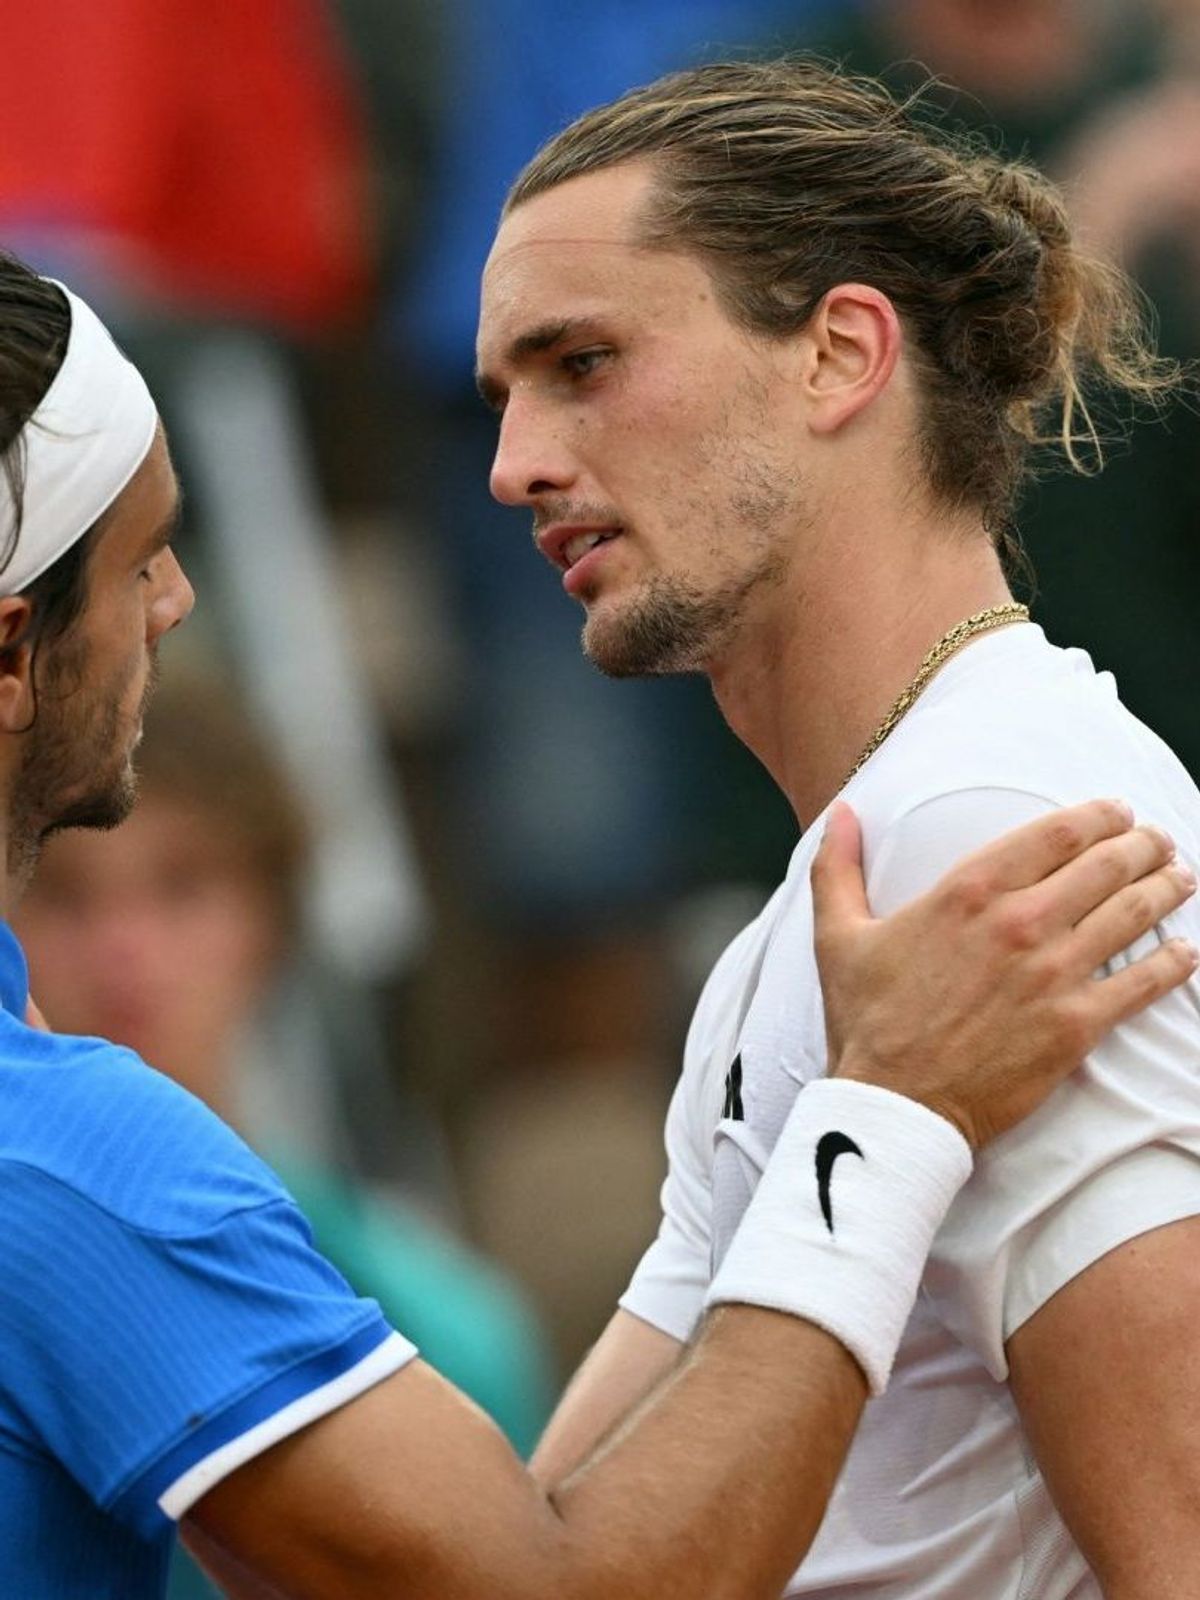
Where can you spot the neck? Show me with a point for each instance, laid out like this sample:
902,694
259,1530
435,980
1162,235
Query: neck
22,859
819,664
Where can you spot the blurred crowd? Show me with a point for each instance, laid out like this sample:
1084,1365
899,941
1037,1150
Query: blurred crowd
415,897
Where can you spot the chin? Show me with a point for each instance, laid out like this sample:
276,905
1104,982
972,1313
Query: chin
644,640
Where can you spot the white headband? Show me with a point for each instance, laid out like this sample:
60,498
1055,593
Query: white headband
82,445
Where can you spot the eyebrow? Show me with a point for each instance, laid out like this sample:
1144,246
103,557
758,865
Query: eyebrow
535,342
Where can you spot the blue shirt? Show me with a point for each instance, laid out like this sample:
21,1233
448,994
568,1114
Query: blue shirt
159,1297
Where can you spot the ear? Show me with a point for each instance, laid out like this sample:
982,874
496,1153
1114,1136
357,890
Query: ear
16,664
853,341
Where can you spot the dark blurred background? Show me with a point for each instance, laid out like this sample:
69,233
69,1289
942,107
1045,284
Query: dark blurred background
467,1016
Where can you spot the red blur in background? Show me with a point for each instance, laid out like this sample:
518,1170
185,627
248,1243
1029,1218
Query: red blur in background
215,151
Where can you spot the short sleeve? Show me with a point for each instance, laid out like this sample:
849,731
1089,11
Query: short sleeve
151,1364
671,1280
1113,1153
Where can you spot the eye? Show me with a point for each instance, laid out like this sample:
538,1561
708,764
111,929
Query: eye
582,363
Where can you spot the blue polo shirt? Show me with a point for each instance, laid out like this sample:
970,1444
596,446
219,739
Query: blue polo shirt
163,1314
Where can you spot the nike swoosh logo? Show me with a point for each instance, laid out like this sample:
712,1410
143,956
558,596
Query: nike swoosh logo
829,1147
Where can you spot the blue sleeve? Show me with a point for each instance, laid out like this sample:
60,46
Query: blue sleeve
130,1355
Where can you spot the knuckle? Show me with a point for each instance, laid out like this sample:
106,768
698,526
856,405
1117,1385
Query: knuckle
1140,910
969,891
1019,924
1052,971
1113,861
1065,835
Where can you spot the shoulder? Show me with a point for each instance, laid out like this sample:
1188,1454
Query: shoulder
1015,733
1024,715
90,1117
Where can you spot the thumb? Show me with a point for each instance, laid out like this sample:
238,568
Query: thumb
838,890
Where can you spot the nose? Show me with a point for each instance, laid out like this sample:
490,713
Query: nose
530,459
174,600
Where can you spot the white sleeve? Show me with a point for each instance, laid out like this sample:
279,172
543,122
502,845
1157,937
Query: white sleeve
1112,1154
671,1280
669,1286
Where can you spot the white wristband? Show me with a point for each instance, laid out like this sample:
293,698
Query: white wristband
843,1219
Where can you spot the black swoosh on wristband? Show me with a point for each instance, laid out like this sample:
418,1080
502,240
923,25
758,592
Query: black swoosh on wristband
829,1147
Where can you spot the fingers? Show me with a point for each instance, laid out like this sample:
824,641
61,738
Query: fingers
1133,988
839,893
1129,914
1070,894
1033,852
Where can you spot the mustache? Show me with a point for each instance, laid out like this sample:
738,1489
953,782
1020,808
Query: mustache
153,675
560,508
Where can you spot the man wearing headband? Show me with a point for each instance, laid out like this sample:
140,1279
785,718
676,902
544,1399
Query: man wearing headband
172,1347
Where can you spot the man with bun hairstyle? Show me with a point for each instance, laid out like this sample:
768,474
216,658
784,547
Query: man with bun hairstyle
769,355
173,1349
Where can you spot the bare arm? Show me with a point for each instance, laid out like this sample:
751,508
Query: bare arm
1107,1377
409,1490
629,1359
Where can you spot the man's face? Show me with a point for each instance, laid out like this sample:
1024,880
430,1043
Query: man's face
634,410
92,683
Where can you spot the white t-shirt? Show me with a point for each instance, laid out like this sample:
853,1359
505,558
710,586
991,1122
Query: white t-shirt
940,1498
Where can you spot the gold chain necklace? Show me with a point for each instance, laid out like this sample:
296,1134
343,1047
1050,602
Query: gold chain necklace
981,622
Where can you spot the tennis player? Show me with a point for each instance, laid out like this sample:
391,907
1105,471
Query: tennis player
172,1348
768,355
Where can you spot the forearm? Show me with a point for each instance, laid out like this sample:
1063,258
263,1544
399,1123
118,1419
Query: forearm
723,1476
630,1360
715,1486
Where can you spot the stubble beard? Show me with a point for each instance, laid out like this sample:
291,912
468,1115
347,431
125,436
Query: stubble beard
75,772
671,626
675,625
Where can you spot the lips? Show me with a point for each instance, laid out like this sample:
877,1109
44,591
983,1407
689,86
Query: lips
565,544
580,544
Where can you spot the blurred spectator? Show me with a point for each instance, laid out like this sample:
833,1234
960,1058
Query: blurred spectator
1107,99
170,935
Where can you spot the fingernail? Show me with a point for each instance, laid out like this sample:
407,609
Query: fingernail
1184,875
1161,834
1191,952
1124,808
